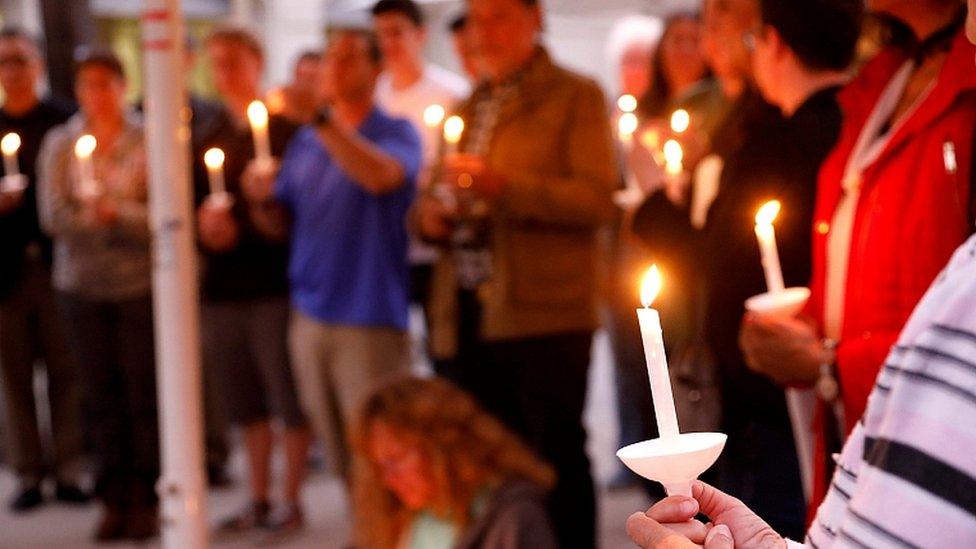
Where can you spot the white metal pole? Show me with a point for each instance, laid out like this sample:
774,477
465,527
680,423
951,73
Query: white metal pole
182,490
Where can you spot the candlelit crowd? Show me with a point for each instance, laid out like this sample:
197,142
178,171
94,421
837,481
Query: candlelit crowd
756,151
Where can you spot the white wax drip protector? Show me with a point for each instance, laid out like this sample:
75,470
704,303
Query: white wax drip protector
220,200
13,184
787,303
676,461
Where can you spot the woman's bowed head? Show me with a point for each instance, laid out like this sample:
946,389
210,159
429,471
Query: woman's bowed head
424,448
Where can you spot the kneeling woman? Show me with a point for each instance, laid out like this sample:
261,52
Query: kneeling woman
434,470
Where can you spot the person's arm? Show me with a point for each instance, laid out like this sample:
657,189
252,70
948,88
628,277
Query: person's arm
271,220
132,215
366,163
583,196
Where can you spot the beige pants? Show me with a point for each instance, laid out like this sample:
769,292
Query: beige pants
335,368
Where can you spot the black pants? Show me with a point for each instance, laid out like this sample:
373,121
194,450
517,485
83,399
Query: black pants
114,342
537,386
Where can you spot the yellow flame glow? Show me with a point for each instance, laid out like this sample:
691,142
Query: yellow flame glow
680,121
627,103
257,114
453,129
213,158
651,286
10,144
85,146
434,115
768,212
627,124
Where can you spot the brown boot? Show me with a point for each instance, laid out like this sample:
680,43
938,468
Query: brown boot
111,527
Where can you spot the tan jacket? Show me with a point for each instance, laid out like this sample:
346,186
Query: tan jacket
553,144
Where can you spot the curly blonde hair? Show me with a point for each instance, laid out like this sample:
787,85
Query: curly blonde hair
468,450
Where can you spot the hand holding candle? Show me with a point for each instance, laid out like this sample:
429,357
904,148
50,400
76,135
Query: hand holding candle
257,115
13,181
767,246
219,197
87,188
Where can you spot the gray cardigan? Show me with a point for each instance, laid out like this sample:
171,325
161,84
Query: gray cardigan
93,261
516,518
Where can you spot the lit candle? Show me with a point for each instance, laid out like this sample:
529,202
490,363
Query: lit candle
214,159
627,103
626,126
673,157
767,245
453,130
680,121
434,115
10,144
657,362
84,148
257,115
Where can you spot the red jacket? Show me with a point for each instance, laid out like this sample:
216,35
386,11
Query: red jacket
913,211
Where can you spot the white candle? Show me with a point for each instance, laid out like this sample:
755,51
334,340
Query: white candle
680,121
673,157
657,362
214,159
626,126
767,245
10,144
434,115
453,130
84,148
257,115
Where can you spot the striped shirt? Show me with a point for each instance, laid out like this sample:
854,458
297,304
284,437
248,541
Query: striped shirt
907,475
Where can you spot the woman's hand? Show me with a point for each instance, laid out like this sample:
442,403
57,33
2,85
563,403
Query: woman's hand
787,350
218,230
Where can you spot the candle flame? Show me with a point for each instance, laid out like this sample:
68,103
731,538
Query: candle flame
85,146
214,158
768,212
627,125
434,115
10,144
673,154
453,129
680,121
257,114
627,103
651,286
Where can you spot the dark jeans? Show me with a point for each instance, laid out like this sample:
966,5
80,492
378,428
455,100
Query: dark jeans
32,331
537,386
114,342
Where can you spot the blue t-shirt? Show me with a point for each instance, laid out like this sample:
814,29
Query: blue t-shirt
348,261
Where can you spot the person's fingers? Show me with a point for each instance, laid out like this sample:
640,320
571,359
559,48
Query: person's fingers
719,537
694,530
674,509
713,502
648,533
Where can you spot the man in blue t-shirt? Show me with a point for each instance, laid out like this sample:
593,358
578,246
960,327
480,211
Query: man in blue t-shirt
342,194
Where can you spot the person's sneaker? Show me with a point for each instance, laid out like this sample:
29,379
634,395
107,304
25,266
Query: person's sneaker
286,522
71,493
111,527
254,515
28,498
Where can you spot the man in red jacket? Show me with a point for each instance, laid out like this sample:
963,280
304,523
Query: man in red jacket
893,202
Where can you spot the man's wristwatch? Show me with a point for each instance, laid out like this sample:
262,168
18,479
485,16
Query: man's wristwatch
323,117
828,389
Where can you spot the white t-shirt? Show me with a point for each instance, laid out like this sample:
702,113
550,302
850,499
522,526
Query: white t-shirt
437,86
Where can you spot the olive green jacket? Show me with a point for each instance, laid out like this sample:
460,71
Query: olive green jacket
554,147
